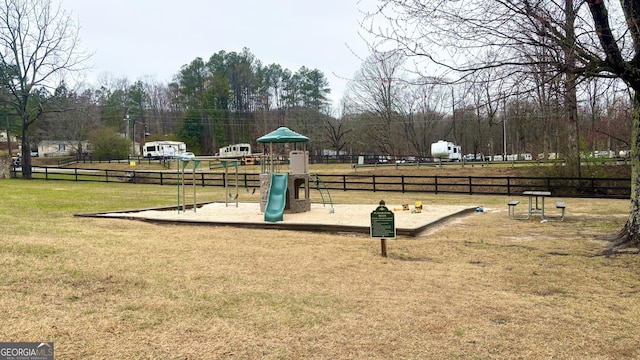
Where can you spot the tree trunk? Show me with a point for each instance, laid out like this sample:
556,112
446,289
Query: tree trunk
571,114
26,152
570,92
629,236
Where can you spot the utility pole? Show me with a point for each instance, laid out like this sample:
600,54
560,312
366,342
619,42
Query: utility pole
504,129
126,118
453,115
133,139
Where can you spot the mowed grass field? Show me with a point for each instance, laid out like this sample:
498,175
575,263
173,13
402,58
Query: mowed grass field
479,287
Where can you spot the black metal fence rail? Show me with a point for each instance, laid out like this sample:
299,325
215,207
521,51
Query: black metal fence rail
487,185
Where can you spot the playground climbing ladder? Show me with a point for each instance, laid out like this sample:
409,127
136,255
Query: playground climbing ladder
322,187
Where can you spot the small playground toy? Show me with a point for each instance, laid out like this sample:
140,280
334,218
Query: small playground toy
418,207
403,208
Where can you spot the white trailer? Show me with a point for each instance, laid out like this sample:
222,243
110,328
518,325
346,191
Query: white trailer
446,151
235,151
240,151
163,149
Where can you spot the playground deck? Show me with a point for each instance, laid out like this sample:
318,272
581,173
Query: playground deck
336,218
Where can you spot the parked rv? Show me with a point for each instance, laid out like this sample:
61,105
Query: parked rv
446,151
235,151
163,149
240,151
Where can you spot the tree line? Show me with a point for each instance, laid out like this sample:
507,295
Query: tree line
233,98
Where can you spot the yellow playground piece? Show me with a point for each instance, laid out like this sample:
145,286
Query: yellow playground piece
404,207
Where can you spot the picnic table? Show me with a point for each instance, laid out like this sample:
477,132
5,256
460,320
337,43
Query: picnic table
537,206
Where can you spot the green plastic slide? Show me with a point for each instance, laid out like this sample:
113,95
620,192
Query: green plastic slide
277,198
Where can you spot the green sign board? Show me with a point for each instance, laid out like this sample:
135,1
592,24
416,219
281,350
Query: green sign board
382,223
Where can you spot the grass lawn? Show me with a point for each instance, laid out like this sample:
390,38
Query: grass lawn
481,287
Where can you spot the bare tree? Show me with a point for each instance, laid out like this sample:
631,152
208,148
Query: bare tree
422,113
39,43
491,89
335,131
591,38
375,93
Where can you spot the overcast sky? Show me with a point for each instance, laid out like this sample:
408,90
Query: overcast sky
139,39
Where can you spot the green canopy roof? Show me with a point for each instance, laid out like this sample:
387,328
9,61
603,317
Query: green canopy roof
283,135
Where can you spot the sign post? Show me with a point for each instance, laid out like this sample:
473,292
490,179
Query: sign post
383,226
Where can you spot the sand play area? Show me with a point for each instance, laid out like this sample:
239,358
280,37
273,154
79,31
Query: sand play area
336,218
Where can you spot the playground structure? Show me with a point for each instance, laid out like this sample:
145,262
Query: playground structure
280,192
226,164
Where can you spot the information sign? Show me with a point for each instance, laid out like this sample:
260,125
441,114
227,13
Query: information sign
382,223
